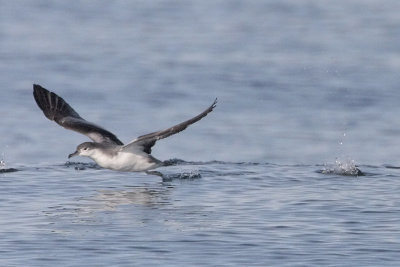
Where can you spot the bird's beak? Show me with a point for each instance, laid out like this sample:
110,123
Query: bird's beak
76,153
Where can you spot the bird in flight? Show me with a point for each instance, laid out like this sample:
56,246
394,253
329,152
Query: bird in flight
106,149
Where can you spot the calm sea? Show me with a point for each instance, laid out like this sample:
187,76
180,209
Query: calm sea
297,166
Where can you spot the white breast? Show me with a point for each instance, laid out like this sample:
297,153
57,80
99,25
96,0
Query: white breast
126,161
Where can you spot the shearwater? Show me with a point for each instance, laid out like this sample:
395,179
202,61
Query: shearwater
106,149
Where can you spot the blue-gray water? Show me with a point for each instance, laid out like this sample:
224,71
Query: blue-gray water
307,90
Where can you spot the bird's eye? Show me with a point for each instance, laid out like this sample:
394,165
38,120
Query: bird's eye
85,148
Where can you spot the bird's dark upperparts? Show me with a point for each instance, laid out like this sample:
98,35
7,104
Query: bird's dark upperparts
106,149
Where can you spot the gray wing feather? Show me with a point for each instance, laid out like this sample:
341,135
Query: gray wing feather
55,108
145,142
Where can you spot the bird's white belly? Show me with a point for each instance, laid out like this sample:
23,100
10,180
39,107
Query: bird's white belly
127,162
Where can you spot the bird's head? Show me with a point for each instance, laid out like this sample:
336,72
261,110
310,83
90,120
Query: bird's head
85,149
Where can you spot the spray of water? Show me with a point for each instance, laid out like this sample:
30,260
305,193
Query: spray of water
2,161
343,164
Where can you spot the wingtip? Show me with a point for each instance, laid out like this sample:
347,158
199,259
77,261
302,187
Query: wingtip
37,88
214,104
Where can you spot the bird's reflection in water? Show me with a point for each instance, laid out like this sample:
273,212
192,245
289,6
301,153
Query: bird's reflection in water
88,211
110,200
151,196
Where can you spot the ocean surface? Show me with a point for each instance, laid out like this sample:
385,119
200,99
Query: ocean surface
298,165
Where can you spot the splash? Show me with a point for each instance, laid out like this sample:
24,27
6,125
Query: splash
343,164
345,167
80,166
3,168
182,176
174,162
2,161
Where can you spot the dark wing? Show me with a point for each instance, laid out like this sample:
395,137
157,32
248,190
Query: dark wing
145,142
56,109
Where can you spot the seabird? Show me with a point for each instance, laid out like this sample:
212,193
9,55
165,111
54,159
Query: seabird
106,149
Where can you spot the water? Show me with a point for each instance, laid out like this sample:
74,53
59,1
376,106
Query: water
297,166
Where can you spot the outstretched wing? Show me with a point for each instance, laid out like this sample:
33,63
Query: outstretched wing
55,108
145,142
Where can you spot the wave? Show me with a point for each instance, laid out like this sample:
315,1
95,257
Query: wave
6,170
80,166
3,168
182,169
